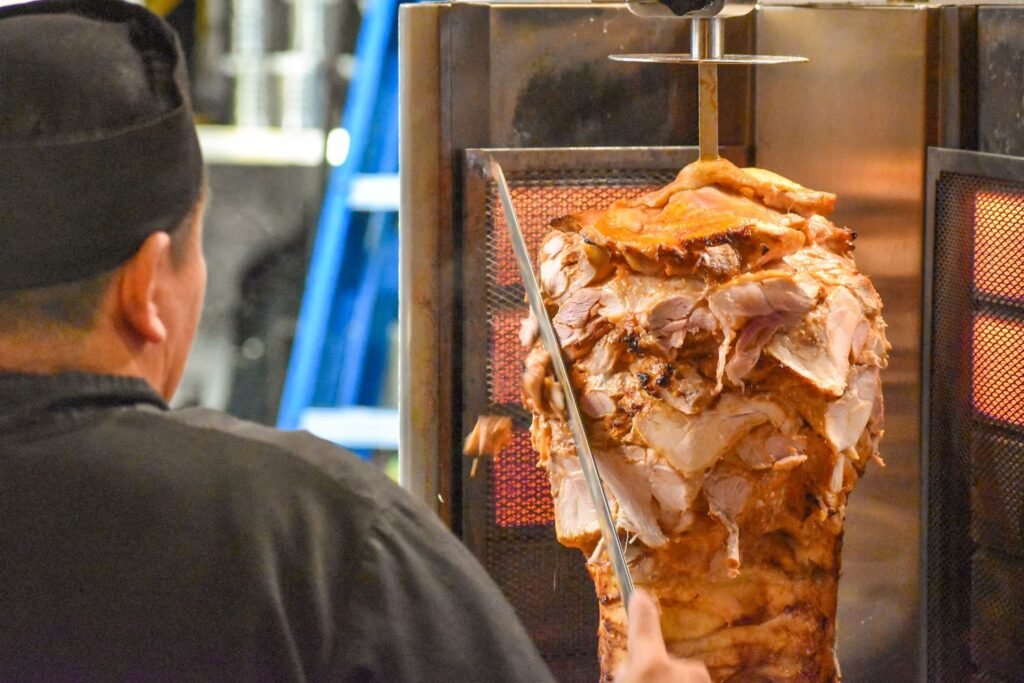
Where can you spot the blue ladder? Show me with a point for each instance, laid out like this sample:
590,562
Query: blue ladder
339,354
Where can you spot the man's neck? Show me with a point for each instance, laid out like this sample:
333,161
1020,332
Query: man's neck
67,351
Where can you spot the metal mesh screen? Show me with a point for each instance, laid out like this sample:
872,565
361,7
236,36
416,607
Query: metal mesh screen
975,547
521,551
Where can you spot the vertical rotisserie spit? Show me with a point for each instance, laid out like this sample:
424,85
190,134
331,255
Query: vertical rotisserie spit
726,353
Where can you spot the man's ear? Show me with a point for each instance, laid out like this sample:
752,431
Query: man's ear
138,284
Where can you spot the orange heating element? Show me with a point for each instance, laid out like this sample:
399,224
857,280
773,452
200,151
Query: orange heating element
506,364
521,492
998,369
999,244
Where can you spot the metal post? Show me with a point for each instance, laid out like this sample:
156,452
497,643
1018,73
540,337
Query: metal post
248,57
303,81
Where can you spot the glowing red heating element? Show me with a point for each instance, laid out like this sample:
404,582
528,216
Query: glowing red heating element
998,368
506,363
521,490
998,341
999,244
501,247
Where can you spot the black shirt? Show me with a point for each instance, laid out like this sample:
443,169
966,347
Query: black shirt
142,544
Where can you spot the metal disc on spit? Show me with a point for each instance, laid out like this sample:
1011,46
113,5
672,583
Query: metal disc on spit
725,60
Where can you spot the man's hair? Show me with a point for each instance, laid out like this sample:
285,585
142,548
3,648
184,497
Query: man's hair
74,306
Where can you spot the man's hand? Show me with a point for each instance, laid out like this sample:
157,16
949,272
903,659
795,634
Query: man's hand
647,660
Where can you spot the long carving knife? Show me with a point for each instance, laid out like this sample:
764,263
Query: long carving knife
579,434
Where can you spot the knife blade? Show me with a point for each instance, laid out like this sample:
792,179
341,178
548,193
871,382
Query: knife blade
579,433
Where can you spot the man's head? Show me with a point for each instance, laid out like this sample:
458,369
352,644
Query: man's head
100,260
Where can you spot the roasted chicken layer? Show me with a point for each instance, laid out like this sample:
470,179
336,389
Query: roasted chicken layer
726,353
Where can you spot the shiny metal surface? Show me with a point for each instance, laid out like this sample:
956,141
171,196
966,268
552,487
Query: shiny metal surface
707,51
716,37
569,160
856,121
424,306
579,434
549,82
707,38
1001,87
724,60
724,9
711,8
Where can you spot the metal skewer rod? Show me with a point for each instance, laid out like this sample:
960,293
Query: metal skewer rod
707,41
547,334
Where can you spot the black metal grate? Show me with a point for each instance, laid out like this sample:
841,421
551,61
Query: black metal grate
520,549
997,598
975,496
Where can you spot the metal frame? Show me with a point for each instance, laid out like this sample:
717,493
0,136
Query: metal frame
580,160
419,316
940,161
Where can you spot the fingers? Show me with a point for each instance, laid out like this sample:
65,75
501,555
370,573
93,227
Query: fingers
647,660
644,624
662,670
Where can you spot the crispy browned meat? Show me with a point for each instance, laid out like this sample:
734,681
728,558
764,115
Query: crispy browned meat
490,435
727,357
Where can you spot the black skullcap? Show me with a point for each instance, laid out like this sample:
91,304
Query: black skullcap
98,149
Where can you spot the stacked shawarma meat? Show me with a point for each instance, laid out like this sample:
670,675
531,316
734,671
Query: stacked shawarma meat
726,354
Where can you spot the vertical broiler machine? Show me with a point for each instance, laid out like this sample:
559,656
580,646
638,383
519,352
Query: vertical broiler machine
531,87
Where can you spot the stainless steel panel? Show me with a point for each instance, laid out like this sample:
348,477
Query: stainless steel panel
424,304
539,76
1001,87
958,77
857,121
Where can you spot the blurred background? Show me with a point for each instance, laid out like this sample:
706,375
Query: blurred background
297,106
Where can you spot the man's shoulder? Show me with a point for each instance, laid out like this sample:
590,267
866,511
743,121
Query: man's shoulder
262,460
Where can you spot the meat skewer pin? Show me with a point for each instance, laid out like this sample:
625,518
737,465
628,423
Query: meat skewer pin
707,51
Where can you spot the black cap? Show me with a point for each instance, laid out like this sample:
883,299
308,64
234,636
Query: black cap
98,149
